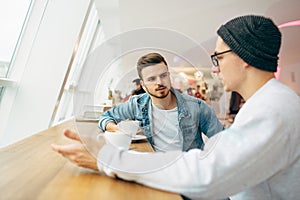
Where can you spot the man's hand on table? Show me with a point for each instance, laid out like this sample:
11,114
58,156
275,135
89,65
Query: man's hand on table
83,151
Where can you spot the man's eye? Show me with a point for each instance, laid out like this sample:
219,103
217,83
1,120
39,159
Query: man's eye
163,75
151,79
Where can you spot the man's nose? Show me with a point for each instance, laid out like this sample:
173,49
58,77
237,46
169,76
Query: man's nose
158,81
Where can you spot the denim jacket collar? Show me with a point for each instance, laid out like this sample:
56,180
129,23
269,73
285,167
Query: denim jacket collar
182,111
145,100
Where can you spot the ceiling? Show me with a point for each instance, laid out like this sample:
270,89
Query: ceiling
197,21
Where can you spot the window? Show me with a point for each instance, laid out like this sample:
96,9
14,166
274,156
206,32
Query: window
13,16
92,35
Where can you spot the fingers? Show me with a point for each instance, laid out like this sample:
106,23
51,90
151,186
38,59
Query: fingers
57,148
70,150
66,149
112,127
72,134
77,154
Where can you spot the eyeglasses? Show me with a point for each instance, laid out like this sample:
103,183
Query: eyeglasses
214,57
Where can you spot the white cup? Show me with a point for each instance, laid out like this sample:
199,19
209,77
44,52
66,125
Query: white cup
129,127
118,139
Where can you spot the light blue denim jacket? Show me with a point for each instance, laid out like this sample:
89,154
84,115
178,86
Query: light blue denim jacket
194,117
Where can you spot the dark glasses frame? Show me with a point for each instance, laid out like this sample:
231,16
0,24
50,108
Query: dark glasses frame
214,59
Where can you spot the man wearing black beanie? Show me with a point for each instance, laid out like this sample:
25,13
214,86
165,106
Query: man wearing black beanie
256,158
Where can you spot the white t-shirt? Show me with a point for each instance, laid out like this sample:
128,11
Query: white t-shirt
166,135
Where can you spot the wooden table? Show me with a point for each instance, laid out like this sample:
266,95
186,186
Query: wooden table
31,170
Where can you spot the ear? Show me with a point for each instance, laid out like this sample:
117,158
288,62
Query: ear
143,85
245,65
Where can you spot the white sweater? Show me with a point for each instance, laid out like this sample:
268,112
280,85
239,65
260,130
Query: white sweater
257,158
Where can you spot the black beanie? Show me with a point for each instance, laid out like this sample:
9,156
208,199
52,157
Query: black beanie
255,39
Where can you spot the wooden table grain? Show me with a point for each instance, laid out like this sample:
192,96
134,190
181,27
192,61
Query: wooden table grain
31,170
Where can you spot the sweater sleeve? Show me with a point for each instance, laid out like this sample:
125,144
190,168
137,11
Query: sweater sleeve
232,161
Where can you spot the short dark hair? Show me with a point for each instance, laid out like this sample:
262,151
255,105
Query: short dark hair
149,60
137,81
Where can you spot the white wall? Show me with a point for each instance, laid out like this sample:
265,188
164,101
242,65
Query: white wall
42,60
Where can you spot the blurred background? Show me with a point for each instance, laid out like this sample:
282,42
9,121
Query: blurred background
63,58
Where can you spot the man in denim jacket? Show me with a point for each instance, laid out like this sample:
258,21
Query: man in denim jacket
169,119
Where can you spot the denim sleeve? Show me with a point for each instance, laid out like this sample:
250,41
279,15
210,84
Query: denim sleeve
210,124
118,113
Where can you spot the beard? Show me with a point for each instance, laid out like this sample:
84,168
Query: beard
156,95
